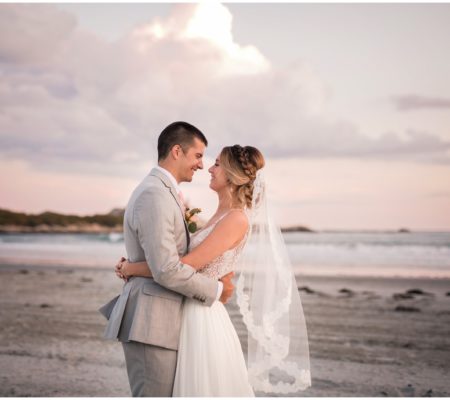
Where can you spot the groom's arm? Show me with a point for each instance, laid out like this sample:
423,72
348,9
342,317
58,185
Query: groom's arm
125,269
154,221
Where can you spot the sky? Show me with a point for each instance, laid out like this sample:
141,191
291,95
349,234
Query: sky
349,103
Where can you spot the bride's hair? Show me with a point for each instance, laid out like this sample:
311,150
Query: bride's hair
240,165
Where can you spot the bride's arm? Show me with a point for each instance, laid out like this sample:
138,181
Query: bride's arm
226,235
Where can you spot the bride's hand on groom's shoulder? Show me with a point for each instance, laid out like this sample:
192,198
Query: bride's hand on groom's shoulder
120,270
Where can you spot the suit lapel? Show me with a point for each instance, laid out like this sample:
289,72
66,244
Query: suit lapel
166,181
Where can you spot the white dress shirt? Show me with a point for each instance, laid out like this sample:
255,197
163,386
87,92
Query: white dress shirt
172,179
177,188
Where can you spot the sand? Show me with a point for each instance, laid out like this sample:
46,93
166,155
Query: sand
368,337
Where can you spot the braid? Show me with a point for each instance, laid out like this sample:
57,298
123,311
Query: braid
243,157
241,165
245,191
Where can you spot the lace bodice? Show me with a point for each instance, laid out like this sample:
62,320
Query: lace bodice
223,264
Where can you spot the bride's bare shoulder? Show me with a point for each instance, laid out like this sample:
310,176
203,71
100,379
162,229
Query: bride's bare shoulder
236,218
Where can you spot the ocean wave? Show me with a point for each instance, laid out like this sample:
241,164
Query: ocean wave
356,253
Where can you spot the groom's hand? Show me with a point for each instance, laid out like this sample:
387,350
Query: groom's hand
118,270
228,287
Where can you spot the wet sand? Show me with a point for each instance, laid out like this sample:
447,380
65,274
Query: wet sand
368,336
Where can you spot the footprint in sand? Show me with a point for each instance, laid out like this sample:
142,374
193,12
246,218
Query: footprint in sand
347,292
407,309
306,289
419,292
402,296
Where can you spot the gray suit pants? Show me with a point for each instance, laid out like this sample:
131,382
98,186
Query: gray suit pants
151,369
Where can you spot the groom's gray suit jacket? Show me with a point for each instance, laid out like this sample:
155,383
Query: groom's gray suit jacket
149,310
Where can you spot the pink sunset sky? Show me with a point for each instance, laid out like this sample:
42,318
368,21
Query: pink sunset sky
350,104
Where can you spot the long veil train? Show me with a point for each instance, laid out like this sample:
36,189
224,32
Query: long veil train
268,299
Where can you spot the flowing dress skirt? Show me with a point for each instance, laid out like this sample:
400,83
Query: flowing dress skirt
210,359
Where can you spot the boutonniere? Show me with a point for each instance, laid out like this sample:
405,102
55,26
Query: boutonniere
189,218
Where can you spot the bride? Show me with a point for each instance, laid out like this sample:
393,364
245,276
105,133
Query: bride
240,236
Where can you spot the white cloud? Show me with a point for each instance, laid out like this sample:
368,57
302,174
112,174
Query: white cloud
32,33
410,102
209,22
70,100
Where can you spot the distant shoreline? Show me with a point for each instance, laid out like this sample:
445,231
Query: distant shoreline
51,222
102,229
87,228
92,228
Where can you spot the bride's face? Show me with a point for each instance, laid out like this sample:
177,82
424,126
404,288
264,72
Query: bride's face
218,178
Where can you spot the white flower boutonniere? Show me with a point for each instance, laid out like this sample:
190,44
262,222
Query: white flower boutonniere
190,220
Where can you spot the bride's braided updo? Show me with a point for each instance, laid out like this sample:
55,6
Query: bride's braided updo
240,165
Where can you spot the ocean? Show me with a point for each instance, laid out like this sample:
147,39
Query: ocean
387,254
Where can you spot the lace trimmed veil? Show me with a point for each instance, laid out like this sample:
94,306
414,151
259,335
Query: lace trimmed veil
268,299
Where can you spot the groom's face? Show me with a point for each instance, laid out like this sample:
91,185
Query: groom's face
191,160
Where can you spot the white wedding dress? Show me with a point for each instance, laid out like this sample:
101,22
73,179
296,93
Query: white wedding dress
210,358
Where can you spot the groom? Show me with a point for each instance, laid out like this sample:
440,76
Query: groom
146,317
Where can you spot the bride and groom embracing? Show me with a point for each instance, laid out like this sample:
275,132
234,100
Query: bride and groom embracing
177,336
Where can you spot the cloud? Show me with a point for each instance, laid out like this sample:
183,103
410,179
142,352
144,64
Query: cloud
416,102
207,23
70,100
32,33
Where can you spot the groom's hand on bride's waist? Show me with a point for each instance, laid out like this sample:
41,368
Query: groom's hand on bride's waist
228,287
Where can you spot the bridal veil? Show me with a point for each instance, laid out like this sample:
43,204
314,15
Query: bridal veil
268,299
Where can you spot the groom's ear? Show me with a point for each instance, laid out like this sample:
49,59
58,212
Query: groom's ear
176,151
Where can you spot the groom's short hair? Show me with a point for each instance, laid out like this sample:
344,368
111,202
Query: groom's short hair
181,133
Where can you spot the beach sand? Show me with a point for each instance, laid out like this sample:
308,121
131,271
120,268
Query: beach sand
368,337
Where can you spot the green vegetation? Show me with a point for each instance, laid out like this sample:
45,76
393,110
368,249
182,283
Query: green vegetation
11,221
114,218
